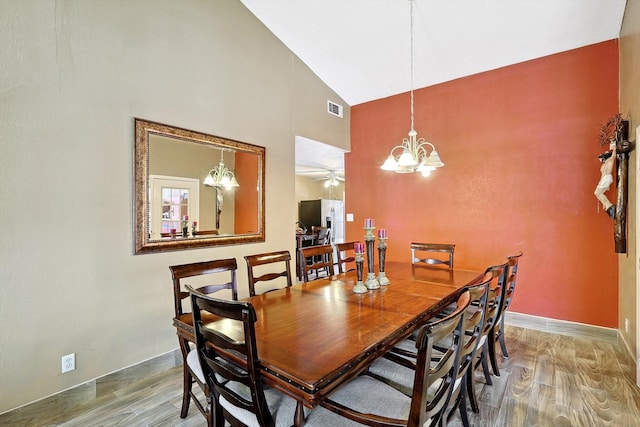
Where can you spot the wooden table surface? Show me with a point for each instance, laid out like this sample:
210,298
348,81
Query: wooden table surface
314,336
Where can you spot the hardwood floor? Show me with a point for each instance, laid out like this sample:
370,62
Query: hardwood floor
557,380
548,380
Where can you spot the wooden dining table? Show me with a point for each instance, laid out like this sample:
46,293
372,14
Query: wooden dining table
315,336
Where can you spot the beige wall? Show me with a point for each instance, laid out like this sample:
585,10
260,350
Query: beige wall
630,109
74,75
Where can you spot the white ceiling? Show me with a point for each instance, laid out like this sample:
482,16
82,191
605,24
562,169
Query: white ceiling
317,159
361,48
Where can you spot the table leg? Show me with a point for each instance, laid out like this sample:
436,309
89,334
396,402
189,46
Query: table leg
299,416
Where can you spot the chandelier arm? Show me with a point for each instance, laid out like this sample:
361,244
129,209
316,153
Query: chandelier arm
401,147
423,142
421,153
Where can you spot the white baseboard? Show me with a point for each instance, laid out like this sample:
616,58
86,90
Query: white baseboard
562,327
636,362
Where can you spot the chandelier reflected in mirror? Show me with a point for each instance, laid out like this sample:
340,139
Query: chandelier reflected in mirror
221,177
414,154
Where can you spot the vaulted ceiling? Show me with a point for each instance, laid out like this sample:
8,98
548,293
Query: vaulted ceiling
361,48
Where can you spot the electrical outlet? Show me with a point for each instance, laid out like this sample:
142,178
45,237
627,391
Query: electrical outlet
68,362
626,325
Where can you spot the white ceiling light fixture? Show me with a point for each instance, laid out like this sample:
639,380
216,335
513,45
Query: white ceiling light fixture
221,177
332,179
416,154
333,182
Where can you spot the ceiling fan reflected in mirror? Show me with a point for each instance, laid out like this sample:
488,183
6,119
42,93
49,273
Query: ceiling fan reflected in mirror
333,179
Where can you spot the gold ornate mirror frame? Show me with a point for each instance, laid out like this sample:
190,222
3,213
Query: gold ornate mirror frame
245,215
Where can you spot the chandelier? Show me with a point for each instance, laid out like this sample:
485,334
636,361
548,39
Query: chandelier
221,177
415,154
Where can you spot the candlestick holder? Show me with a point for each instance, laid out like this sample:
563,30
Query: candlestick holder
359,288
382,251
369,238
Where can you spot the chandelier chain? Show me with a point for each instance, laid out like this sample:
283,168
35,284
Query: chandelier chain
411,57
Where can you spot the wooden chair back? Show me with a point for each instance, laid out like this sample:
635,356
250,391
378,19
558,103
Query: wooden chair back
447,363
345,256
498,276
497,333
439,254
219,270
207,232
316,258
498,281
473,327
510,285
215,267
229,359
323,235
280,260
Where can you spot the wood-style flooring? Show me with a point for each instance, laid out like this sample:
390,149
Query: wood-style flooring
548,380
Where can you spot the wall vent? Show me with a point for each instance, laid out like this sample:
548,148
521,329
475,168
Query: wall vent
335,109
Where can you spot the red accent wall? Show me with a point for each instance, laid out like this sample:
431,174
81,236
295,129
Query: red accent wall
246,196
520,146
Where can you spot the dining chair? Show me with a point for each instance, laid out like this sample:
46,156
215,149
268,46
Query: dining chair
398,366
438,254
316,258
226,358
498,277
280,261
475,322
323,235
345,256
371,401
497,333
223,270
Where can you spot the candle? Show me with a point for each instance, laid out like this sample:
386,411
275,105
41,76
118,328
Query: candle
185,217
195,223
358,247
369,223
382,233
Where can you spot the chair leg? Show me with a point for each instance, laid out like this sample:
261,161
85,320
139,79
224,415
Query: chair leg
485,364
471,392
186,391
492,351
210,415
462,405
218,417
502,343
187,381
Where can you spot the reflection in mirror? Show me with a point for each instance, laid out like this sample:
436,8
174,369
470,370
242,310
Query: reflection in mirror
195,190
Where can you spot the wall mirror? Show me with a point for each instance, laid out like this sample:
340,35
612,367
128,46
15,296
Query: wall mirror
195,190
